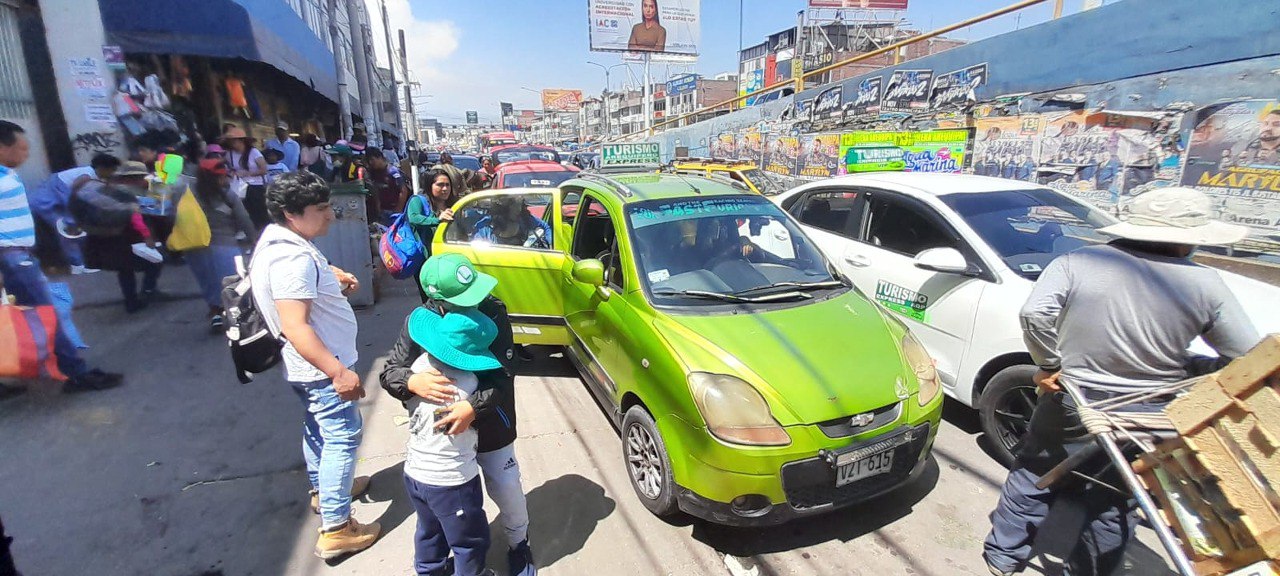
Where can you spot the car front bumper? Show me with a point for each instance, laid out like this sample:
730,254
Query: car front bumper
808,485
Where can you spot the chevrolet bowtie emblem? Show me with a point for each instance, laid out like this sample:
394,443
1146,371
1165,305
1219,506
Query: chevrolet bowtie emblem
861,420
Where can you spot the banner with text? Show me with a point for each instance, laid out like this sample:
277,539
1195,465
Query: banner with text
1234,156
929,151
667,26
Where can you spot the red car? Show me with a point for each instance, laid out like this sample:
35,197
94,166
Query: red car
532,174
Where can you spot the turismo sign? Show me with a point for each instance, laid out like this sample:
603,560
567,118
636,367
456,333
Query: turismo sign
619,154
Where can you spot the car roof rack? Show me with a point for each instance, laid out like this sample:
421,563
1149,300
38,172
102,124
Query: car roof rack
617,187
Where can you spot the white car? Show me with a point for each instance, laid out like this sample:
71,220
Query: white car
956,256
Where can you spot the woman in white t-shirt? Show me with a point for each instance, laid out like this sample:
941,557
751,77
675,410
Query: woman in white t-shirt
248,165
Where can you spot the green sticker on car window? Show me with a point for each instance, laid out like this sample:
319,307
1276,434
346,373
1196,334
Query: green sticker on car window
902,300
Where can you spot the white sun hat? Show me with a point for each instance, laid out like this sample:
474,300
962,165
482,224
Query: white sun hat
1175,215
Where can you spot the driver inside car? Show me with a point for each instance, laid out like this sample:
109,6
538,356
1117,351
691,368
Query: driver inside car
510,223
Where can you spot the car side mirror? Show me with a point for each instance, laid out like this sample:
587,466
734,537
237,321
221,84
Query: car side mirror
589,271
945,260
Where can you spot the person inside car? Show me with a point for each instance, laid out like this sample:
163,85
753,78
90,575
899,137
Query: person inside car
510,223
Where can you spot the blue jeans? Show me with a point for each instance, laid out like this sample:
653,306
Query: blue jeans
210,265
70,246
24,279
330,435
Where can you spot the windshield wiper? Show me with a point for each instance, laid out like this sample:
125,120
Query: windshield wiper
708,295
800,285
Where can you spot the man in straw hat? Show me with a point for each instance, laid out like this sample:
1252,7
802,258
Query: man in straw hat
1111,319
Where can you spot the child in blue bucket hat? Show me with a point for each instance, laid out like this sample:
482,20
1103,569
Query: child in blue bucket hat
441,473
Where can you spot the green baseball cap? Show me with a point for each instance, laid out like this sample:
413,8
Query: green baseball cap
454,279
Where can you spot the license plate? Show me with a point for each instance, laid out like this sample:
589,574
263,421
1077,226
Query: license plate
873,465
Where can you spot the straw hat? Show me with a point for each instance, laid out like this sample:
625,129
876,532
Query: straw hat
234,133
1175,215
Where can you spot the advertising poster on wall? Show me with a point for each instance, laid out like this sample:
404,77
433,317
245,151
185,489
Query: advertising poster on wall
724,145
907,91
666,26
928,151
781,154
829,104
751,82
819,155
866,102
1234,155
957,88
1005,147
751,146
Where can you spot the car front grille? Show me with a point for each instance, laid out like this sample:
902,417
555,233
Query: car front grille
841,428
811,483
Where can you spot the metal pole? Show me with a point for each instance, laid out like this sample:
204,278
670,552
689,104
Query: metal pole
799,52
340,70
408,94
355,27
648,98
1057,9
391,63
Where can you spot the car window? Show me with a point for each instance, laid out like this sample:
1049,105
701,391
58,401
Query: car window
536,179
516,220
594,236
837,212
904,226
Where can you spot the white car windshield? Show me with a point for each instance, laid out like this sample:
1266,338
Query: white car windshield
1029,228
737,249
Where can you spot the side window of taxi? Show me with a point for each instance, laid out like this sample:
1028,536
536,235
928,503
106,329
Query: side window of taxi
595,237
511,220
837,212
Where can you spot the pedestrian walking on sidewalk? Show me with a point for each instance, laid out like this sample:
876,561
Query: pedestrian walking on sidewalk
227,219
1111,319
304,299
489,408
427,210
119,237
22,276
290,150
49,202
248,165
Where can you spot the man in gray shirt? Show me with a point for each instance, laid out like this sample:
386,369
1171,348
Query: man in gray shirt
1113,319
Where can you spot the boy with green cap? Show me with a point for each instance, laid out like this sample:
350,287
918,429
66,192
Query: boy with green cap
452,284
440,469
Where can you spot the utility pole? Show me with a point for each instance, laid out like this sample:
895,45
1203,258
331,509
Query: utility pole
391,63
408,94
340,70
361,61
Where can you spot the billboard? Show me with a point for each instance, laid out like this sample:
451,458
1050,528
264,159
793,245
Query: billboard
863,4
1234,156
682,84
507,109
473,117
654,26
929,151
561,100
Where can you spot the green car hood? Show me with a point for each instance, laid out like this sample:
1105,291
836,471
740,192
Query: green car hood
813,362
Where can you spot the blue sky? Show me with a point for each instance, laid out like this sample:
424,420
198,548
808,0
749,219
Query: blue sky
472,54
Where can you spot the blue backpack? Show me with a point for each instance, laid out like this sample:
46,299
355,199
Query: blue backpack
400,249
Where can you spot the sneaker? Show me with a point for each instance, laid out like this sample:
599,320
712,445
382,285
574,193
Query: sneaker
359,485
520,559
78,269
91,381
216,322
349,538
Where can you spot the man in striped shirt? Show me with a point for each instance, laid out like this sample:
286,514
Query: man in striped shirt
23,277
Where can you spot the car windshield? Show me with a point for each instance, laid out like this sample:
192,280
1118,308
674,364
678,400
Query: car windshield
740,249
536,179
515,154
1029,228
466,162
763,181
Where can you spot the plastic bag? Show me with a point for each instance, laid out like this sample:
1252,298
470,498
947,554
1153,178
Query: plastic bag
190,225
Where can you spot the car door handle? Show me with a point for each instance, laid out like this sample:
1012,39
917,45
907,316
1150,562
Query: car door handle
857,260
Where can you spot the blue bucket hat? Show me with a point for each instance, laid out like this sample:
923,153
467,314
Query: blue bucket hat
460,339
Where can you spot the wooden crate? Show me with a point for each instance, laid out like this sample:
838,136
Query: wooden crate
1225,467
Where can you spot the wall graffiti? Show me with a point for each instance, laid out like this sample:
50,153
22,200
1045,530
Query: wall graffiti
95,142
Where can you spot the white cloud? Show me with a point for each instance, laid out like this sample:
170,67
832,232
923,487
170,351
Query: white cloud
427,42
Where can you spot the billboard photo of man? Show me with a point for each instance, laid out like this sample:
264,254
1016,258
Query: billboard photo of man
648,35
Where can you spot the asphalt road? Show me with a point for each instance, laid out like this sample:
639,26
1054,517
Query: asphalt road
185,472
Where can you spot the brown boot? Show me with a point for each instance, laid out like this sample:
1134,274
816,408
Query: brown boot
359,485
349,538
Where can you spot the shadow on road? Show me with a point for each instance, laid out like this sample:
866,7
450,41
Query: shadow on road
967,420
387,485
563,513
548,362
844,525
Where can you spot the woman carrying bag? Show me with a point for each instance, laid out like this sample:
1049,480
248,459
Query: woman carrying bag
119,238
208,220
426,211
249,166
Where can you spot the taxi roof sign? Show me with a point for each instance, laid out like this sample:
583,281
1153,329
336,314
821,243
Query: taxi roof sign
638,154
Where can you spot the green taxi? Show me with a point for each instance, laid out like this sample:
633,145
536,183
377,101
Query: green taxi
751,383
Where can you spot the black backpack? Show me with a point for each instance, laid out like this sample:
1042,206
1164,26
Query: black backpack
254,347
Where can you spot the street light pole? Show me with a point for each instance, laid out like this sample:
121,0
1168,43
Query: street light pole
607,87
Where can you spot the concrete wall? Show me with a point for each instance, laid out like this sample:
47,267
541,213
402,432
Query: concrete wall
85,84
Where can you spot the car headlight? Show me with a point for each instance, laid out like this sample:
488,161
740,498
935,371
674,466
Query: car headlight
922,364
735,411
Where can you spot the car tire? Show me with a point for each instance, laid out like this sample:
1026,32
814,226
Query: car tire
645,456
1005,409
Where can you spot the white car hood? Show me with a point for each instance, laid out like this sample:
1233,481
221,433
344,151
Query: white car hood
1261,302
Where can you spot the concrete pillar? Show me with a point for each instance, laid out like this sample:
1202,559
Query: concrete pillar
85,83
359,51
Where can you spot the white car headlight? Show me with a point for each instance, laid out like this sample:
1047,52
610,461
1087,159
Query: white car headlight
923,367
735,411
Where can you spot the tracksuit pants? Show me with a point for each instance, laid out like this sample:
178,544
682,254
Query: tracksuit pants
501,473
449,518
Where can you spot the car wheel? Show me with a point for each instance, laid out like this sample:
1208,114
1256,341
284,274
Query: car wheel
1005,409
647,463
